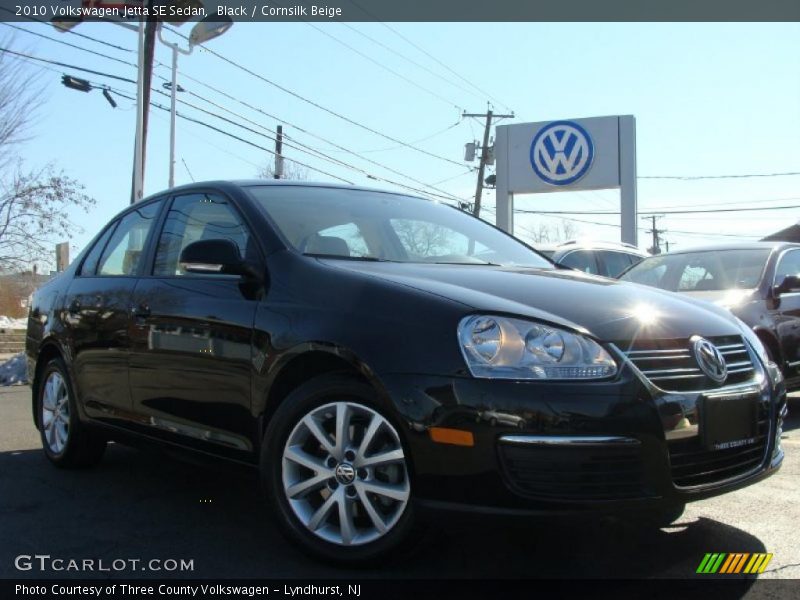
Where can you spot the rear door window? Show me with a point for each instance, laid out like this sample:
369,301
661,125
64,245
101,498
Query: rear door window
89,266
123,253
582,260
615,262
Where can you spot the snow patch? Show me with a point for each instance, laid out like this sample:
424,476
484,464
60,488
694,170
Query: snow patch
9,323
14,371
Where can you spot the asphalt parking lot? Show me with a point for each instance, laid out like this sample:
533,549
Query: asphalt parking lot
142,505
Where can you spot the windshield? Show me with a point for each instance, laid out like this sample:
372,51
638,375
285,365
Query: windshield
364,225
704,271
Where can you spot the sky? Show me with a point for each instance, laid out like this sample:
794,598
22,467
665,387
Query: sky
709,99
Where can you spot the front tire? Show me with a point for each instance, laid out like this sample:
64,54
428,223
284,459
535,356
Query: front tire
336,472
66,441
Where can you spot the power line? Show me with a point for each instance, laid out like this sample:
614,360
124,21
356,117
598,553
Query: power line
316,153
72,31
316,104
662,212
699,177
313,152
410,60
618,226
420,140
65,43
67,65
316,136
236,137
134,65
483,93
384,67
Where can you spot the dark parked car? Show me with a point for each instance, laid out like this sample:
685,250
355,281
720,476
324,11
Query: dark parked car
374,354
597,258
758,281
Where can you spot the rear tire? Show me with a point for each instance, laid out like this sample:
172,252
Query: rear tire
67,442
336,472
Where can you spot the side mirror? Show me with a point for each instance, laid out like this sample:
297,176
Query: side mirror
790,283
213,256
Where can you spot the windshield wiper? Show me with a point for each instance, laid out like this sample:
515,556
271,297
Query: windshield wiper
470,264
342,257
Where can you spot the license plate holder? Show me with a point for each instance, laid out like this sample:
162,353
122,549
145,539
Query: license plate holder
728,421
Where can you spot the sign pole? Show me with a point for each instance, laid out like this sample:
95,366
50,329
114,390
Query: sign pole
627,179
136,192
504,200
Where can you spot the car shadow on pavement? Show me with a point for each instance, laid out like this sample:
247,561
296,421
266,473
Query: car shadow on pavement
143,505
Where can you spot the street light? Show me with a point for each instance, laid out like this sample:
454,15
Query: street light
209,28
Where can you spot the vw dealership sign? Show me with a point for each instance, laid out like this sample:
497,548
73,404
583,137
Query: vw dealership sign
562,153
567,155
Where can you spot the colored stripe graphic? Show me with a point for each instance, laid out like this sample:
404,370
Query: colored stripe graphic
733,563
711,562
728,564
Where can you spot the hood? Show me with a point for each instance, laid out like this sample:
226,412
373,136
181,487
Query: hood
726,298
608,309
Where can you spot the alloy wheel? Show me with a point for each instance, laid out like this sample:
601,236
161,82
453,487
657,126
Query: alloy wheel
55,412
344,473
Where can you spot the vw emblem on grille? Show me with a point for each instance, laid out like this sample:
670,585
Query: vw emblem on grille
345,473
561,153
709,359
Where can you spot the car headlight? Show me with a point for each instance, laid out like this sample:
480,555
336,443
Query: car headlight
504,348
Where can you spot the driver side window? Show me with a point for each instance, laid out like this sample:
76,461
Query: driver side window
196,217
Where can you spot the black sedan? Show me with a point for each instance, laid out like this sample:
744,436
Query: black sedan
374,354
758,281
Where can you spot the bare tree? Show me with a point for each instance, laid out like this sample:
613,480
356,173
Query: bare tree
35,202
545,233
34,207
291,171
20,97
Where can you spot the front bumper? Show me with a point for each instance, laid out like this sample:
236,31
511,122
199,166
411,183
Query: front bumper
566,447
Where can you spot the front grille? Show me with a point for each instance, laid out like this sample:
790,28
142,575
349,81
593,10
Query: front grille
574,473
693,465
671,365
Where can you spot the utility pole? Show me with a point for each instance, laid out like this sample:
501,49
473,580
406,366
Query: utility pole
485,154
278,153
137,178
656,248
147,42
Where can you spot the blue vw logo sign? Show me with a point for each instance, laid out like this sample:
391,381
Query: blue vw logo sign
561,153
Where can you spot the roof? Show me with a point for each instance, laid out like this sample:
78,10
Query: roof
734,246
566,247
789,234
244,183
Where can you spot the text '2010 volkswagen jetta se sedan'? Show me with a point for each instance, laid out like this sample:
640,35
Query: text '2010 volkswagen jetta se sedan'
374,354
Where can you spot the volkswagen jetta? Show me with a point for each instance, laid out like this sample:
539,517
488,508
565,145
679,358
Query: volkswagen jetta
374,354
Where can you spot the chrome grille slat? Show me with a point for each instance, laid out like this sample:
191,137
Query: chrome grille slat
698,376
657,372
657,352
729,347
671,365
736,365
